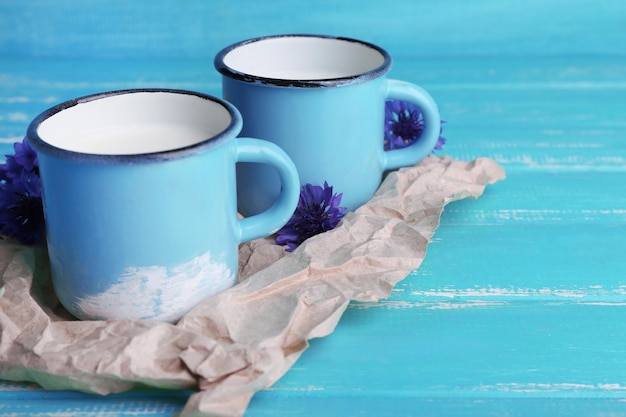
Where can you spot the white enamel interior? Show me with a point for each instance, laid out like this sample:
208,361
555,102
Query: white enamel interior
303,58
135,123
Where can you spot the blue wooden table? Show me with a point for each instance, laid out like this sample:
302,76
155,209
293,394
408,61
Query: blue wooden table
520,305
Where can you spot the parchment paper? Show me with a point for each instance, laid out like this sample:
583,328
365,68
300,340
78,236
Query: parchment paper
244,339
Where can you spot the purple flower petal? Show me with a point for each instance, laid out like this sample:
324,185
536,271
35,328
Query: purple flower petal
21,208
404,125
318,211
25,155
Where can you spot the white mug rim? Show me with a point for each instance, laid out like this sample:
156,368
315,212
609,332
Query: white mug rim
356,77
40,145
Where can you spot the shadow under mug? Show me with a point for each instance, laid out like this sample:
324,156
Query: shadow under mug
139,198
322,100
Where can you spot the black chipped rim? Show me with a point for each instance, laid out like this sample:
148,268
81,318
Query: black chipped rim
312,83
40,145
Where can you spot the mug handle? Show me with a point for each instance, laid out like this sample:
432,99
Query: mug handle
272,219
402,90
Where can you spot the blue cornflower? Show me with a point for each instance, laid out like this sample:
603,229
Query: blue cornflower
318,211
21,209
404,124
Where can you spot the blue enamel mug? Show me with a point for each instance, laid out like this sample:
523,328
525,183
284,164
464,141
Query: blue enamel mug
322,100
139,198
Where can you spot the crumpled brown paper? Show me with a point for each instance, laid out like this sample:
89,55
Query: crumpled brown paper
244,339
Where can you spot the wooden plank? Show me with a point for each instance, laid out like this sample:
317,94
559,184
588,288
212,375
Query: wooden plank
151,29
19,399
436,407
270,403
551,263
478,326
540,148
504,349
527,198
518,356
48,404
